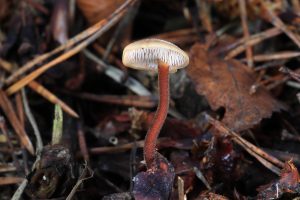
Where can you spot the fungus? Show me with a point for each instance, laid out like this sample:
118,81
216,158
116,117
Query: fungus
163,57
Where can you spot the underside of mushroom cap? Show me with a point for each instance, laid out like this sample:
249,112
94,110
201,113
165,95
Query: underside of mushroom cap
146,54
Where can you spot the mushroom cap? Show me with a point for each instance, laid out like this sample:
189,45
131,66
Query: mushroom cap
147,53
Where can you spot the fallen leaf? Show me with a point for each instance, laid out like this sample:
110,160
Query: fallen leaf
96,10
227,84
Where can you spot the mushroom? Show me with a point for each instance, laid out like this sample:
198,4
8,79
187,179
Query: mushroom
164,57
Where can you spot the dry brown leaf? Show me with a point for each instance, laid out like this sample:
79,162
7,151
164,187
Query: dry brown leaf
96,10
227,84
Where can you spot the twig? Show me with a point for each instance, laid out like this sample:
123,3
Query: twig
81,179
279,79
285,155
244,143
277,22
35,86
9,142
204,14
200,175
107,23
264,162
276,63
38,88
7,168
275,56
14,121
123,100
10,180
120,30
294,75
79,37
18,193
123,147
82,144
116,149
285,135
238,46
243,13
19,107
32,121
293,84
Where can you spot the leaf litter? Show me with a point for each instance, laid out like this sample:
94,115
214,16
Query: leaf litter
232,131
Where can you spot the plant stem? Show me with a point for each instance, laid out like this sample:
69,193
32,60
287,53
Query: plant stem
160,115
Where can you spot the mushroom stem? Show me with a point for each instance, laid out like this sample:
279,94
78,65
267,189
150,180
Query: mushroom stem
160,115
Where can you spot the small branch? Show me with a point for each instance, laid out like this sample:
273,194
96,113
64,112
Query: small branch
238,46
32,121
277,22
82,144
258,153
101,28
243,13
275,56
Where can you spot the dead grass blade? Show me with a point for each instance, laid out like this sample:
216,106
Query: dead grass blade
14,121
51,97
105,25
10,180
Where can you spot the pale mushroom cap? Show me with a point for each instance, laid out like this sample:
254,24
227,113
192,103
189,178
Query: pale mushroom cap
147,53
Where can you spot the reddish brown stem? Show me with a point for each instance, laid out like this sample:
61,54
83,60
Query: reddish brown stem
160,115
